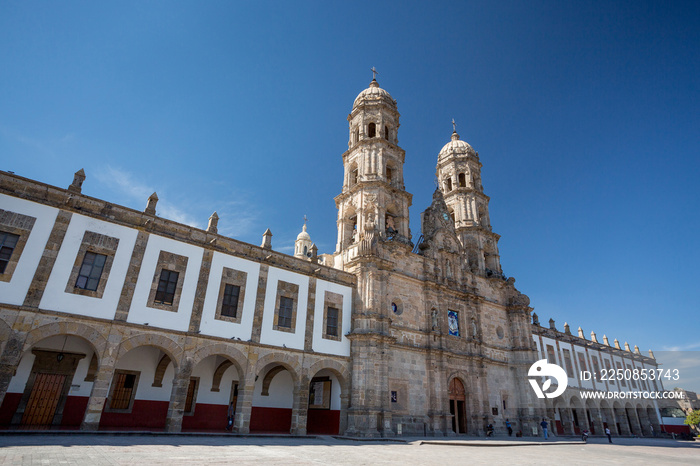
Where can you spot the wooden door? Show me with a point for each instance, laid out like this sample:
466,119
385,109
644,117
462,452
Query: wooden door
457,397
44,399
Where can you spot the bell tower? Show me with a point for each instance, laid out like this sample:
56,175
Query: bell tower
373,204
459,178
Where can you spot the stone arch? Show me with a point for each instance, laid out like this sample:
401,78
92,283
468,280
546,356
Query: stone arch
160,370
91,334
276,359
340,371
163,343
239,360
457,397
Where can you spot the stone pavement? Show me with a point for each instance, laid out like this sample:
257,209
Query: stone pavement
168,449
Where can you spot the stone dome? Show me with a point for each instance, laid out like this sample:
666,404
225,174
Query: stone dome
457,147
303,235
374,93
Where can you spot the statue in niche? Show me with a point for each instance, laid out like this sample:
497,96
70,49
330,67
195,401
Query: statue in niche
474,329
390,226
434,317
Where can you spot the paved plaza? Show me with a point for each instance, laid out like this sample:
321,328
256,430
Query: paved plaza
100,449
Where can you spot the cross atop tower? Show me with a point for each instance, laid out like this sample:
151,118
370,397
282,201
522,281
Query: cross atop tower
454,126
374,73
305,219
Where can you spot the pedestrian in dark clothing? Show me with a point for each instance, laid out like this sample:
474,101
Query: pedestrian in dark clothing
509,427
607,432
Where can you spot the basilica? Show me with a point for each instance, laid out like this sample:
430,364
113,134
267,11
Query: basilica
113,318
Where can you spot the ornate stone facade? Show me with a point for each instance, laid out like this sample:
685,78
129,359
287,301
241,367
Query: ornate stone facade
380,338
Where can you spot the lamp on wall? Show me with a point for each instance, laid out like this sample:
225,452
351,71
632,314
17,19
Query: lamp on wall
60,356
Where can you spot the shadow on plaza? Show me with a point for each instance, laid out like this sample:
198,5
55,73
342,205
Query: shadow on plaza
77,438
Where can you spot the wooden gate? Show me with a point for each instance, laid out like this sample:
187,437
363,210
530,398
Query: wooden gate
44,399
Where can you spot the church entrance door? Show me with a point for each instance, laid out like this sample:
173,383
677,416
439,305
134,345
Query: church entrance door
457,406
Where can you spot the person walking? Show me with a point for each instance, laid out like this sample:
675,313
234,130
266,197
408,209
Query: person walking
509,427
607,432
230,414
544,428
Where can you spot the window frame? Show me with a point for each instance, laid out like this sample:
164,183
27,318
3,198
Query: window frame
113,388
94,243
16,224
288,291
172,263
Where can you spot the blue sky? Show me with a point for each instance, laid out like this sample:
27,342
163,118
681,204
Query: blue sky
585,116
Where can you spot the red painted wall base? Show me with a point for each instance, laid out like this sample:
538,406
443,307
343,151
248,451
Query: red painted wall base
323,421
271,420
145,413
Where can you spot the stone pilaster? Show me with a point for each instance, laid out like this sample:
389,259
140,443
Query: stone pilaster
178,396
310,310
48,258
300,407
201,290
131,277
260,302
244,406
102,382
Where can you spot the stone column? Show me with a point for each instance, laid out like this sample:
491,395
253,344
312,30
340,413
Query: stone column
344,404
98,396
300,407
636,426
621,417
178,396
244,407
9,360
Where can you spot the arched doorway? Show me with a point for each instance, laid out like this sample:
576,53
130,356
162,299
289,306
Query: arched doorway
457,396
51,384
325,403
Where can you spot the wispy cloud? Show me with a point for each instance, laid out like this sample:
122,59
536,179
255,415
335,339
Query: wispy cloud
127,184
237,217
688,347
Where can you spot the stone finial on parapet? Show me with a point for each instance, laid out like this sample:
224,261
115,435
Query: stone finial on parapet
627,347
314,252
151,205
617,344
567,329
651,355
535,319
77,185
636,350
213,223
605,340
551,324
594,338
267,240
580,333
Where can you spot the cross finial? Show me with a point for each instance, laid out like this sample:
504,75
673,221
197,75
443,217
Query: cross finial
374,73
454,126
305,219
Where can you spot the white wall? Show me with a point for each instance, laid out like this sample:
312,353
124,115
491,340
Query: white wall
219,328
321,345
145,359
205,371
14,291
178,318
79,387
269,336
55,296
281,392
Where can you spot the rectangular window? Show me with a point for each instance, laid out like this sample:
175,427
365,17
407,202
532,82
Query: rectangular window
567,362
608,370
551,357
8,241
285,314
229,305
166,287
91,271
123,390
582,362
622,379
596,368
332,322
